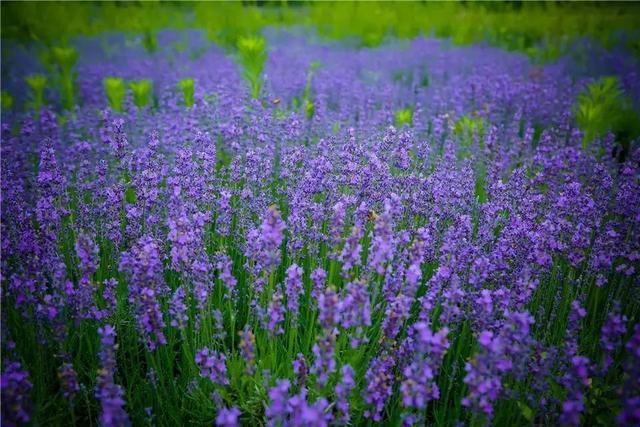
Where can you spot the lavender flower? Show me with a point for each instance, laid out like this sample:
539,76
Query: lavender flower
379,380
247,349
279,406
324,363
228,417
576,377
343,390
212,365
110,394
318,277
350,255
355,307
109,295
293,287
418,386
225,267
223,221
267,239
337,222
300,370
15,387
178,309
381,250
304,414
611,338
328,309
68,380
295,410
143,264
506,352
275,315
630,414
87,252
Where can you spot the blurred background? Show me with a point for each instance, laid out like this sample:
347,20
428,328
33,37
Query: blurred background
543,30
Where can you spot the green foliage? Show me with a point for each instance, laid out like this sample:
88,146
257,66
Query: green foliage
602,107
467,129
187,86
526,411
115,90
150,41
142,92
309,106
404,117
226,22
37,84
542,30
252,54
7,100
511,27
41,20
424,81
309,109
596,105
64,59
466,126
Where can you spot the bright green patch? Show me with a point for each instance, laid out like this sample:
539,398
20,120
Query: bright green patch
187,86
404,117
603,107
37,84
115,91
7,100
142,92
65,59
252,54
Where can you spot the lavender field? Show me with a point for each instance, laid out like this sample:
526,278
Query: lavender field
290,227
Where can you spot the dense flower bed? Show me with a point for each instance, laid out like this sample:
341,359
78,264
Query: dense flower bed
410,234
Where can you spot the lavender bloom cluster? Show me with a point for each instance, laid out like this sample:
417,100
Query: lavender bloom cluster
313,257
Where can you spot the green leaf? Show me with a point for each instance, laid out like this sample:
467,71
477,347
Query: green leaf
115,91
187,86
7,100
526,411
252,52
404,117
142,90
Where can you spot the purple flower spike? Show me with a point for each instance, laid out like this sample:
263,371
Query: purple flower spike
228,417
212,365
15,388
